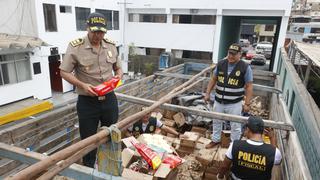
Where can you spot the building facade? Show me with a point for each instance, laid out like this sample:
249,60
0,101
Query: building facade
185,28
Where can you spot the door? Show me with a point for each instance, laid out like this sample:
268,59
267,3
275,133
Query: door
55,78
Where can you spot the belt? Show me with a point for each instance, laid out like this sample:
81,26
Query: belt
101,98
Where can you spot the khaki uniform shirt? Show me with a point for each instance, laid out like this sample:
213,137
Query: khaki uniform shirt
89,64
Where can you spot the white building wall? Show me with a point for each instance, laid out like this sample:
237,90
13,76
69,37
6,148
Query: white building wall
66,22
171,36
38,87
192,37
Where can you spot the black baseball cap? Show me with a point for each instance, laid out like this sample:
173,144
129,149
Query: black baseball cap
97,22
255,124
234,48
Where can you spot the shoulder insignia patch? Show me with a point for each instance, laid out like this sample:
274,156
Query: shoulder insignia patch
77,42
109,41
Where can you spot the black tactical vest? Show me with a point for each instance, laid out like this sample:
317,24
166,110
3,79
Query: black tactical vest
151,127
230,88
251,161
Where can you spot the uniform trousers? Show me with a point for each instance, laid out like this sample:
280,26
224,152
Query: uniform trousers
91,111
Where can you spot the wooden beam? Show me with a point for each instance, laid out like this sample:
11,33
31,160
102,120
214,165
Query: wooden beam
213,115
255,86
75,171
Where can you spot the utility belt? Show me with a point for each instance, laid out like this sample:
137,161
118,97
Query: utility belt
99,98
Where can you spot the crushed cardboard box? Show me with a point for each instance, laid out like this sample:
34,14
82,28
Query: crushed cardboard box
191,139
200,130
204,141
128,141
128,157
219,157
169,114
205,156
179,119
169,122
191,169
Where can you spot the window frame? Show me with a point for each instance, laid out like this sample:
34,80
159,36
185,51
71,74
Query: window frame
15,62
45,18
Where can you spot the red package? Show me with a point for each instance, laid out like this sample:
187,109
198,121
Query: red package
148,154
108,86
172,160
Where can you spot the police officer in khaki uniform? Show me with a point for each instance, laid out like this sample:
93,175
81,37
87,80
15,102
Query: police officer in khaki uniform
88,62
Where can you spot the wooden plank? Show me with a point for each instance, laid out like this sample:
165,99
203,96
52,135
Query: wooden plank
49,147
214,115
7,166
49,128
53,142
74,171
38,121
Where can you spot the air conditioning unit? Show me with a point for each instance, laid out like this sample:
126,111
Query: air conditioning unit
194,11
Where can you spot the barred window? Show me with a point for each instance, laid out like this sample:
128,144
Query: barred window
81,18
108,15
14,68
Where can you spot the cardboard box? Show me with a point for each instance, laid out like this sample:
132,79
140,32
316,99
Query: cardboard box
127,141
171,135
200,146
205,156
212,170
204,141
200,130
169,122
128,157
157,115
225,139
208,176
185,149
179,119
191,140
219,157
169,114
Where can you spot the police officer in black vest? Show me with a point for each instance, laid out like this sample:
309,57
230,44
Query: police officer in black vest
148,124
232,79
252,158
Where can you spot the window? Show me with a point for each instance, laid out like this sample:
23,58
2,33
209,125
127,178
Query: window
65,9
36,68
154,51
50,21
315,30
194,19
153,18
81,18
202,55
14,68
269,27
112,18
108,15
116,20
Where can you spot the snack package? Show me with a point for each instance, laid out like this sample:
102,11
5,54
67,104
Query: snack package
107,86
148,154
172,160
